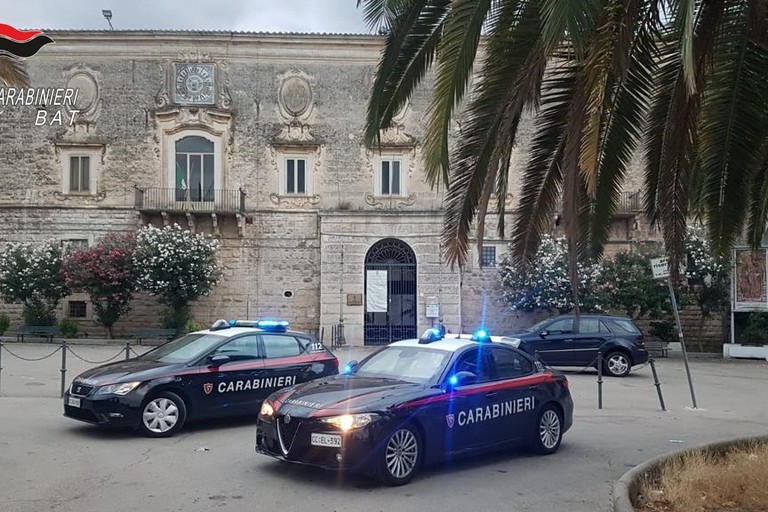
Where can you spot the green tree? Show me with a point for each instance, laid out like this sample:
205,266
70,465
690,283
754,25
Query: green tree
107,273
30,274
177,267
628,280
684,81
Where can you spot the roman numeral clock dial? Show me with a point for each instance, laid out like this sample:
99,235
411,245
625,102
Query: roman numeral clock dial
194,84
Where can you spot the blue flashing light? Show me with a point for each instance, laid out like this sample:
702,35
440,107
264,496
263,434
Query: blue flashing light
273,325
453,380
431,335
348,369
233,323
481,335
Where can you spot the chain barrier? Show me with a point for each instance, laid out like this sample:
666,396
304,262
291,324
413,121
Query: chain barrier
122,351
5,347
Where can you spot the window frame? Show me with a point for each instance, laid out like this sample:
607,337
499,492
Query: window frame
483,250
295,154
67,152
378,177
206,195
259,354
505,350
263,344
286,172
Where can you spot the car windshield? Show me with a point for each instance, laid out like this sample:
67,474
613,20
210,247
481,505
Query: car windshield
185,349
411,364
539,326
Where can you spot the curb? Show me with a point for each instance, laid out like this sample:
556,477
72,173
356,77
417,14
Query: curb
629,483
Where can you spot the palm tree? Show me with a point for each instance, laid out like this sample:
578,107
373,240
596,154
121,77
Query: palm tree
683,81
13,73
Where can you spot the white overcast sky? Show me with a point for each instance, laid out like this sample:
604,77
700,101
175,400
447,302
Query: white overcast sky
330,16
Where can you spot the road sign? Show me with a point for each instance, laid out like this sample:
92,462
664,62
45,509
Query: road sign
660,267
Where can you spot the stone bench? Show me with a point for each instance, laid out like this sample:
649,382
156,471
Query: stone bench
42,331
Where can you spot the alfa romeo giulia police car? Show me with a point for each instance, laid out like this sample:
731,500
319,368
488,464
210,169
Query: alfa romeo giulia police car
415,402
226,370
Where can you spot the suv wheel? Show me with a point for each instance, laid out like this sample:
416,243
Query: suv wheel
617,364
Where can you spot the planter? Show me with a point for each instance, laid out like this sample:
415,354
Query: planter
745,351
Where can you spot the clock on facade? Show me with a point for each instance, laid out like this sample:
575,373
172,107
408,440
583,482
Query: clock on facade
194,84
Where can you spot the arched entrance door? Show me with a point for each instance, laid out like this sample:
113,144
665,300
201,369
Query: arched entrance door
390,292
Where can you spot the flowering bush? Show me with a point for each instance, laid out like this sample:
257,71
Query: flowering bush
106,272
545,284
177,267
30,274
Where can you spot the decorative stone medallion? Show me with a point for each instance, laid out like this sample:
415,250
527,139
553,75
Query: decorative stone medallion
295,95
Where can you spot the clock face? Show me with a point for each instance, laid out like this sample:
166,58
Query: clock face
194,84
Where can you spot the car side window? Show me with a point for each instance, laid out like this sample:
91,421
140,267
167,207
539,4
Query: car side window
243,348
590,326
280,345
563,326
510,364
474,361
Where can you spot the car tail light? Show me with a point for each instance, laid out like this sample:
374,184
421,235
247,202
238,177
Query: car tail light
565,382
640,342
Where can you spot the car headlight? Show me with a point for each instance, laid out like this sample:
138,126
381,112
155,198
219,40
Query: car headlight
350,421
266,409
118,389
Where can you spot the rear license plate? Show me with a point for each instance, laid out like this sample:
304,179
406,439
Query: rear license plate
332,440
73,402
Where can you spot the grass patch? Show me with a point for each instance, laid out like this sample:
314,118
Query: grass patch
733,481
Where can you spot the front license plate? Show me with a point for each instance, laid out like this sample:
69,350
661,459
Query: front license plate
332,440
73,402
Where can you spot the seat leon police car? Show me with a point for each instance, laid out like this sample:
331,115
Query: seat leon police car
226,370
415,402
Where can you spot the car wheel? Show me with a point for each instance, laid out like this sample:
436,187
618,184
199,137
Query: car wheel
549,430
162,415
617,364
401,456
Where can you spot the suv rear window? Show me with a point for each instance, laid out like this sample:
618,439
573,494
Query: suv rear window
625,325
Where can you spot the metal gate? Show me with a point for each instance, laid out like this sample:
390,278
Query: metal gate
390,292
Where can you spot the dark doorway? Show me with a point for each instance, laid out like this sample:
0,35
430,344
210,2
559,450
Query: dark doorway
390,292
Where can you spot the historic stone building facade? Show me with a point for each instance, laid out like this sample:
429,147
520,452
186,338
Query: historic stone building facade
255,139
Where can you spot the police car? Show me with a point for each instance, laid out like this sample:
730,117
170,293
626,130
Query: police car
418,401
226,370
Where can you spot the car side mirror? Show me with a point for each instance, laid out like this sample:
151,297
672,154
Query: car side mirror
350,367
544,334
461,379
218,360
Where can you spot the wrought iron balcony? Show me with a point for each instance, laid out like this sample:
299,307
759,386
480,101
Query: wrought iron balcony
630,202
186,200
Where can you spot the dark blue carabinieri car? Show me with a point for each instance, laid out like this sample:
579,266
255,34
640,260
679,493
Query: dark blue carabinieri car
417,402
226,370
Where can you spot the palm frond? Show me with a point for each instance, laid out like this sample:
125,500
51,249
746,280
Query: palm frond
456,57
13,71
758,207
379,15
732,126
408,53
510,78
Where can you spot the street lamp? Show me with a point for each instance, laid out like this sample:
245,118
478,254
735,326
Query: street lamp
108,16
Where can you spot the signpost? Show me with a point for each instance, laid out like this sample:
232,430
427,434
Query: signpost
660,269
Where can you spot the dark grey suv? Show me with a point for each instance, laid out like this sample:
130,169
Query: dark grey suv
564,341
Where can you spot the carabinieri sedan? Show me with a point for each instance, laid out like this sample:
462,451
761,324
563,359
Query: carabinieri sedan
226,370
416,402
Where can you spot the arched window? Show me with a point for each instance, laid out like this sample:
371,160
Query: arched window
194,169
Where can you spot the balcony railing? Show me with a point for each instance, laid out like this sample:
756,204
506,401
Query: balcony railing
630,202
185,200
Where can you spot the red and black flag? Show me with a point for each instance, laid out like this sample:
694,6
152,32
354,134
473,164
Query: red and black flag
21,43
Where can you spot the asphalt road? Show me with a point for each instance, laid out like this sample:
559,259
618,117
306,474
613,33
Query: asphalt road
51,463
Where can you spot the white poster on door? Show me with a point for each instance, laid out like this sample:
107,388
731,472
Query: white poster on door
376,291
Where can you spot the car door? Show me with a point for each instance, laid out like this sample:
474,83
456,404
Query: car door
512,396
287,362
232,387
555,342
463,426
592,334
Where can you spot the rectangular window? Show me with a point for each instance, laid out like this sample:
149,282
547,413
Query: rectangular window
77,309
74,244
296,176
390,178
79,173
488,257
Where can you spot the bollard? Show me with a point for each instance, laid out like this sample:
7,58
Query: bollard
657,383
599,379
127,350
63,365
